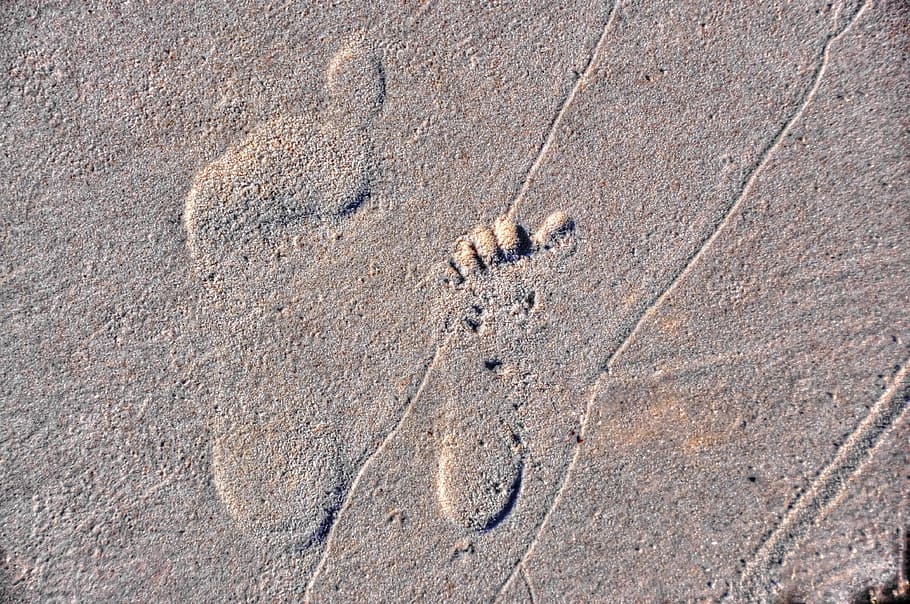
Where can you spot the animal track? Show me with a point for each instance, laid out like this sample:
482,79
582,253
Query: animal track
481,455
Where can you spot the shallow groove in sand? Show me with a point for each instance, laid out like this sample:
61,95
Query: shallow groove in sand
544,149
687,269
362,470
755,585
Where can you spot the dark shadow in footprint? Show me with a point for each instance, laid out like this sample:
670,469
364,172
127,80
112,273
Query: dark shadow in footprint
514,492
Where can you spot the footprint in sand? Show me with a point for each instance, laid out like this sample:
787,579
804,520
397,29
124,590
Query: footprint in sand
264,222
296,405
308,170
481,455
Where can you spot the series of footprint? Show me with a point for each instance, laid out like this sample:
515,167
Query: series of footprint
283,468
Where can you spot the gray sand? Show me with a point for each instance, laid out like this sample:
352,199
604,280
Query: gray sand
455,302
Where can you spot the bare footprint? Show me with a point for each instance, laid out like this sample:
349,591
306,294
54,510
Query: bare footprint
305,384
279,476
481,453
311,170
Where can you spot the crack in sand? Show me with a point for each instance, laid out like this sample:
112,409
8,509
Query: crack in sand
346,503
731,211
527,579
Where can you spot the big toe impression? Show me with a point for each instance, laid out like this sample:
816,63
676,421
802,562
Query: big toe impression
355,82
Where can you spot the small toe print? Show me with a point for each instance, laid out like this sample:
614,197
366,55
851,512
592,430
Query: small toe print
355,81
485,243
554,227
465,259
484,247
507,236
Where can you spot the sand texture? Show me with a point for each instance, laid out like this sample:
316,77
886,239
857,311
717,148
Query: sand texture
435,301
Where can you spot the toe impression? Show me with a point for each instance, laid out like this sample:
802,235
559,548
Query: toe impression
355,82
554,228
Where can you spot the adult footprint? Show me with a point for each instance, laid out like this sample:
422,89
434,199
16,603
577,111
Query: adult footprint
307,381
311,169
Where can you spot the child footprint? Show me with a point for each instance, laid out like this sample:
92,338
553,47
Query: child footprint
462,482
304,383
481,453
